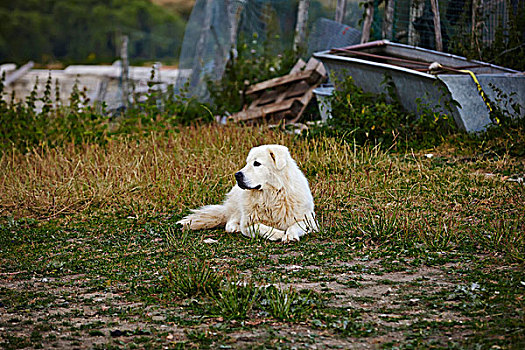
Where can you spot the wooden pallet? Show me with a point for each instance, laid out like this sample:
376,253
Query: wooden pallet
283,98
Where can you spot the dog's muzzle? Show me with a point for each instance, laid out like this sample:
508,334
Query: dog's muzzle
239,176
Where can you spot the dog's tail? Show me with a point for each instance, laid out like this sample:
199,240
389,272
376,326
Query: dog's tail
209,216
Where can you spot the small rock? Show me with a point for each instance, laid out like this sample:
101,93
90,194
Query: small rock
116,333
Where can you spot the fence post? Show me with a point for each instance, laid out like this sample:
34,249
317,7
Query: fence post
300,27
416,11
437,25
388,19
340,11
234,16
124,71
474,34
369,16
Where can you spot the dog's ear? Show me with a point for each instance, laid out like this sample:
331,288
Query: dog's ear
280,156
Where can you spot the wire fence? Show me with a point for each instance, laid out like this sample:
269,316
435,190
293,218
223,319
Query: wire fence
413,21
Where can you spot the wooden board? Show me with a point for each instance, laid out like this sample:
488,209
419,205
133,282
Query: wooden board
283,97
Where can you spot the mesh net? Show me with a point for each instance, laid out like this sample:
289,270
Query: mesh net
215,26
207,42
327,34
212,32
413,21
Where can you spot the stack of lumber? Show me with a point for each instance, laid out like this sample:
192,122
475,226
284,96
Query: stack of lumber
284,98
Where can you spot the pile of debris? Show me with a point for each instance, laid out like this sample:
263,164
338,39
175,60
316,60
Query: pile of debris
284,98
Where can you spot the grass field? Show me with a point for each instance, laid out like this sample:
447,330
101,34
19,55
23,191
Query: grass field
417,249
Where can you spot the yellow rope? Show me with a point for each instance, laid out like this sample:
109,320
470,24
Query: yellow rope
478,85
481,92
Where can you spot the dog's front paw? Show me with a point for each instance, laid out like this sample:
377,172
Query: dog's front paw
290,237
233,226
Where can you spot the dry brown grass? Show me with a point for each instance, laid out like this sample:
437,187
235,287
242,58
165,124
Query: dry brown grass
153,174
160,174
165,173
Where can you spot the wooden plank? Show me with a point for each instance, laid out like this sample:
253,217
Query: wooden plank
267,97
298,66
298,89
259,112
437,25
299,71
286,96
285,79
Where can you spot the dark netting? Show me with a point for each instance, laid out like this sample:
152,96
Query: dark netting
212,32
215,26
207,43
327,34
413,22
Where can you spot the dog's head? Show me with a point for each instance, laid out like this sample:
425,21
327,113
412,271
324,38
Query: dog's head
265,167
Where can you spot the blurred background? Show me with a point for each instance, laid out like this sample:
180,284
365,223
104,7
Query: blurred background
61,32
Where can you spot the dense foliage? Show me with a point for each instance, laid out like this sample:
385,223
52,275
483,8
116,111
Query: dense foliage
86,30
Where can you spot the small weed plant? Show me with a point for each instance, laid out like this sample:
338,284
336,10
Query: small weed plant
287,304
236,299
193,278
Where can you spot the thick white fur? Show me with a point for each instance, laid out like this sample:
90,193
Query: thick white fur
276,202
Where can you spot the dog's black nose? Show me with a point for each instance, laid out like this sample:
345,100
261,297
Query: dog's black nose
239,176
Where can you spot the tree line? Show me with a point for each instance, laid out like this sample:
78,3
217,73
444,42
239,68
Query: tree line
86,30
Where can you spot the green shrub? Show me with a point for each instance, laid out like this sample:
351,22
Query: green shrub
367,118
286,305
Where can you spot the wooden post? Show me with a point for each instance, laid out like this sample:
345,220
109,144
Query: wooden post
369,16
437,25
300,27
234,17
340,11
124,71
474,25
416,11
388,19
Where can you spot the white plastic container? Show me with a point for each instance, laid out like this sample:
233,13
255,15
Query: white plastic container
323,93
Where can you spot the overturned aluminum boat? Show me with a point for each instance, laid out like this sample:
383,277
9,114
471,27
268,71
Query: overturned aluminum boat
436,78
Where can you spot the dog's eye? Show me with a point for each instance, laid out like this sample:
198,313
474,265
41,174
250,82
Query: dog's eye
256,163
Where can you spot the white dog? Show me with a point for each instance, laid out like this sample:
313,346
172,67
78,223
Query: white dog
271,199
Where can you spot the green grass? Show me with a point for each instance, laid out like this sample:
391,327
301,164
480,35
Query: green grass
413,251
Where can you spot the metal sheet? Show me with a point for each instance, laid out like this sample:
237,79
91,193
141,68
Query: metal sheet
418,89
